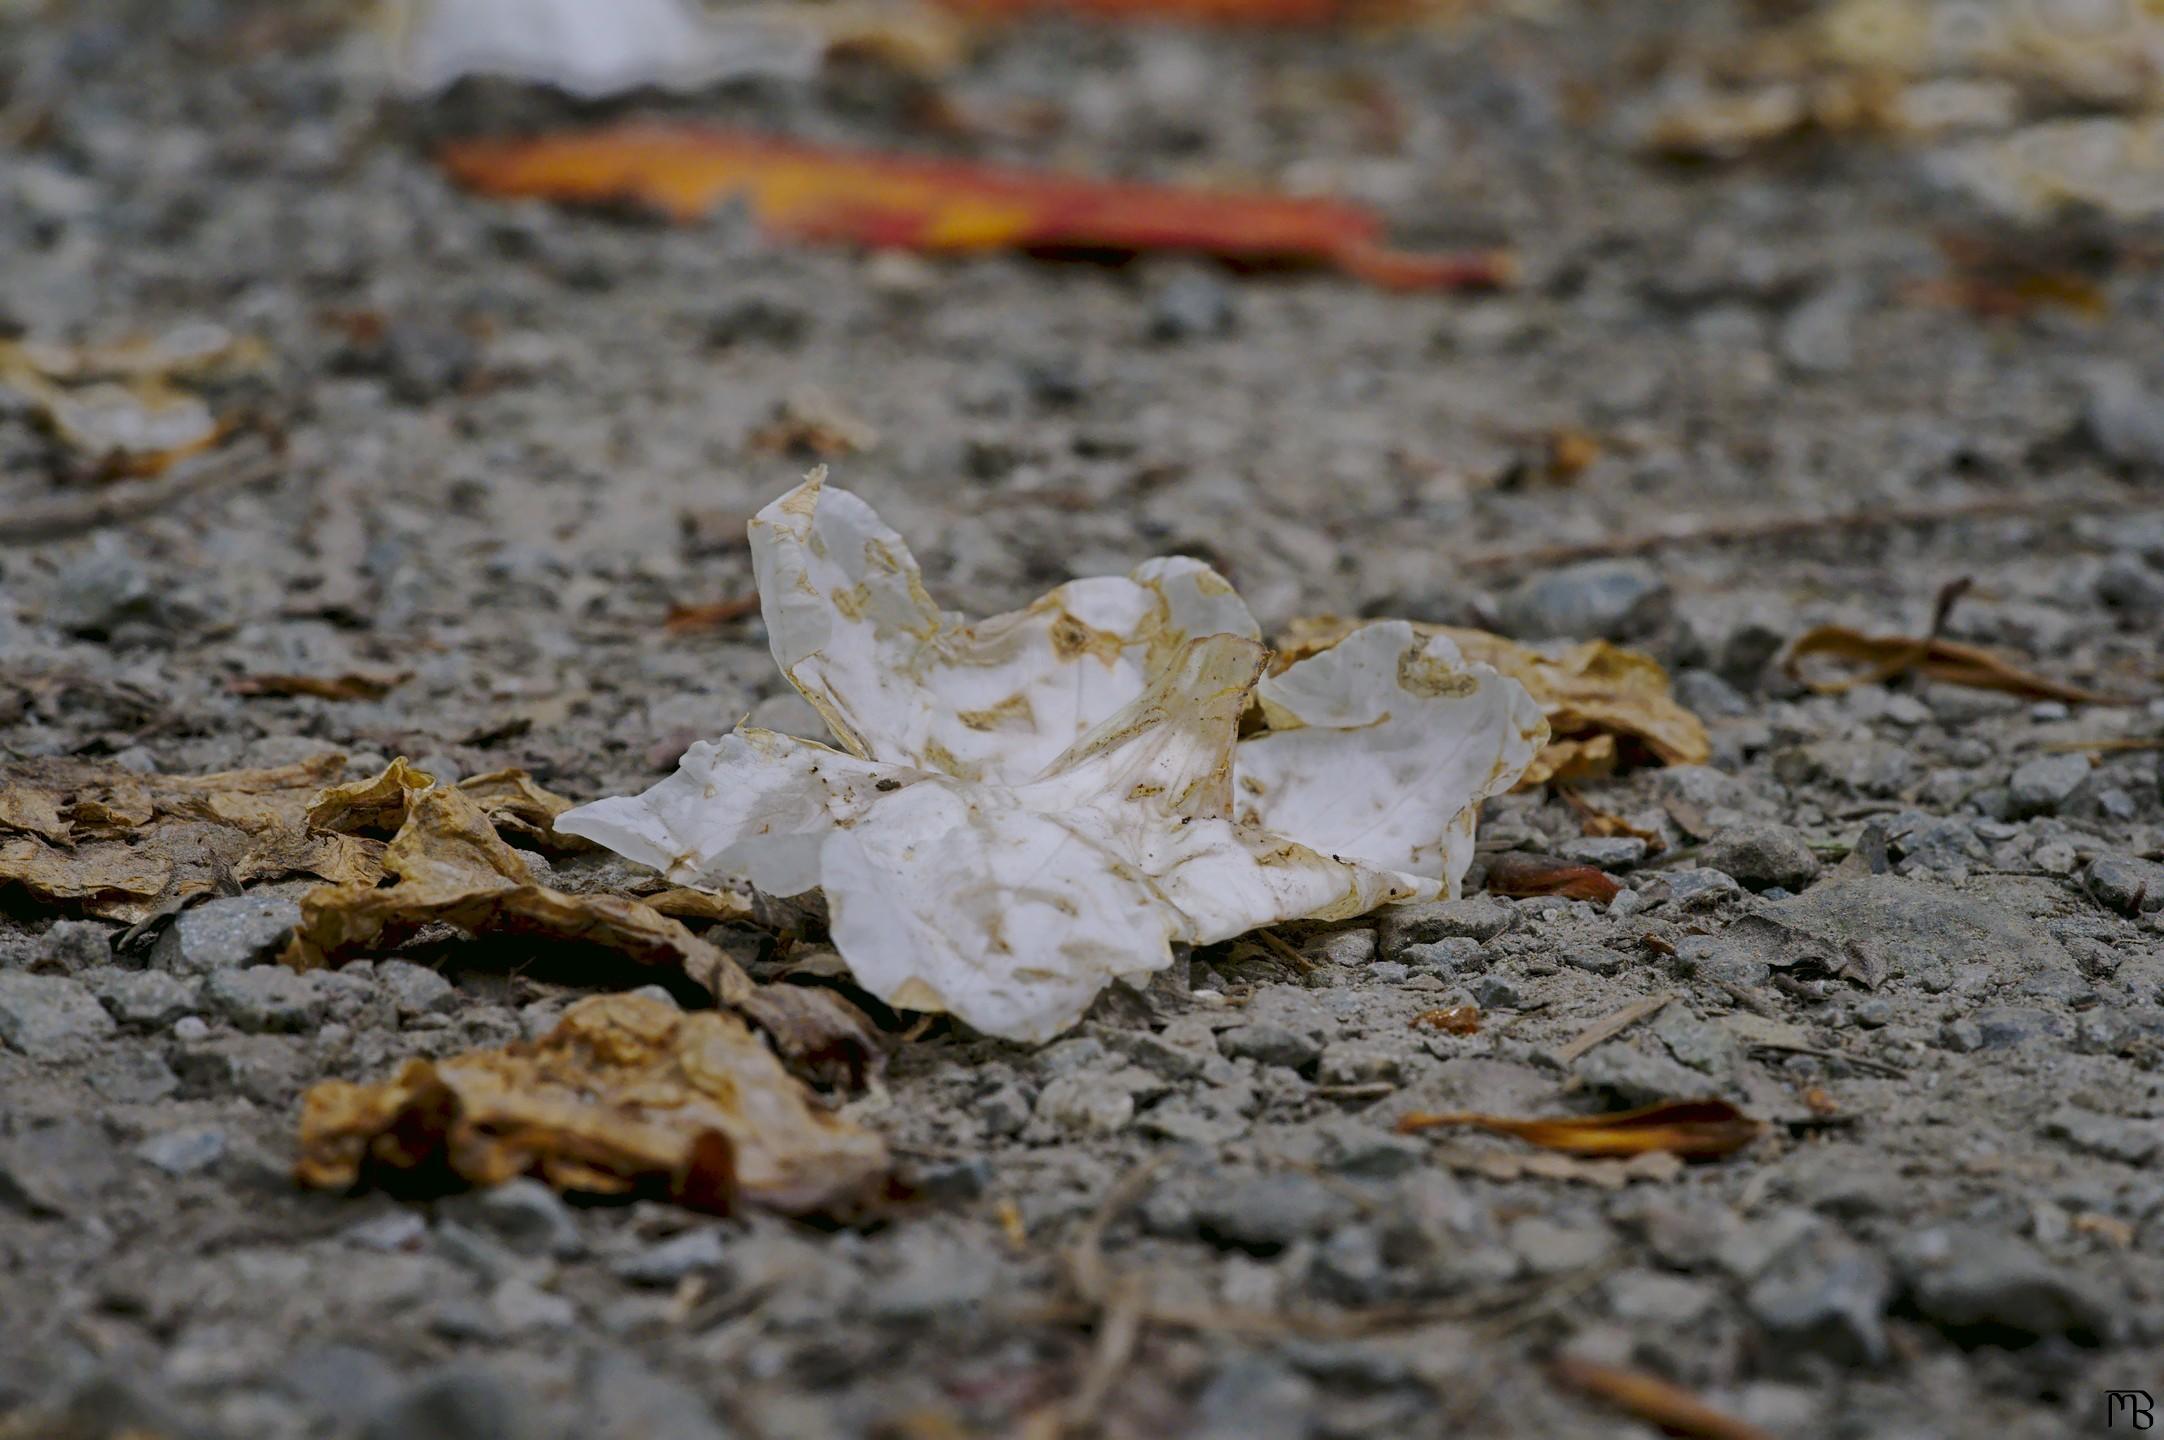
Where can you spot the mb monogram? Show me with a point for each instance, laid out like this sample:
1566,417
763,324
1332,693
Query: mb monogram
2128,1410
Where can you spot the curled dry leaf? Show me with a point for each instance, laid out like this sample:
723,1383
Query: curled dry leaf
117,844
353,685
1658,1402
449,866
127,406
1518,874
810,193
627,1096
1451,1020
1594,694
1032,806
1875,658
1692,1129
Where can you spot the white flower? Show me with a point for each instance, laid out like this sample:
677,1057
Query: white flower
1038,804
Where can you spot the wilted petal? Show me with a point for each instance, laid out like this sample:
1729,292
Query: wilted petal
753,806
1380,748
898,679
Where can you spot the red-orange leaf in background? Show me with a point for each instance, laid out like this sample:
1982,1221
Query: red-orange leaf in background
901,202
1693,1129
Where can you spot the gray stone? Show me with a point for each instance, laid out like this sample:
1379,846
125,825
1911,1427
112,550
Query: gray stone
2005,1027
1265,1213
130,1075
1865,767
1827,1295
103,587
1988,1286
1003,1111
2112,1137
1818,336
1601,599
1694,887
2043,786
1493,992
1609,852
49,1017
1761,853
672,1259
1668,1302
625,1400
72,946
1345,947
263,999
1596,960
937,1274
1355,1062
2127,884
339,1381
265,1068
1478,917
1636,1077
521,1307
1962,1037
1459,955
1704,693
2129,584
1253,1397
149,999
1084,1104
455,1405
225,934
1552,1247
1191,306
388,1233
184,1151
416,989
58,1169
2124,418
1268,1044
524,1214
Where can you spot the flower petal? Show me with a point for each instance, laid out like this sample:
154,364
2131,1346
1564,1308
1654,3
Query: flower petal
899,680
752,806
1379,748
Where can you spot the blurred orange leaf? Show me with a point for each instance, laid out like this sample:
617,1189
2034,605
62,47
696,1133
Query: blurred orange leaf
806,192
1874,658
1693,1129
1517,874
1655,1401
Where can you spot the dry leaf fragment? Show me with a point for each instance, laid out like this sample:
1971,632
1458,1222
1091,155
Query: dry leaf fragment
1518,874
523,810
1451,1020
1692,1129
125,405
1593,693
1656,1401
114,843
688,619
352,685
627,1096
810,193
1882,657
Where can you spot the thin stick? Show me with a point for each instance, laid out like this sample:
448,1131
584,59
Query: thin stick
122,504
1783,527
1610,1026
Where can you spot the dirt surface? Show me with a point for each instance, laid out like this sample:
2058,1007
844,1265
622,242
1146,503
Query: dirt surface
1899,924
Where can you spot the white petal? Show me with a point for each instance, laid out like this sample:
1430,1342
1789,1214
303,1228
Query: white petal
1380,747
953,897
898,679
590,49
753,806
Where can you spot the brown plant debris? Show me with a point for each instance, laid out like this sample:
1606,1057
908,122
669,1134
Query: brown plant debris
1654,1400
451,867
352,685
1451,1020
626,1096
1872,659
1693,1129
1518,874
116,844
1604,703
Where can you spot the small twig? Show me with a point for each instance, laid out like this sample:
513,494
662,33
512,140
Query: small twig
1278,943
1608,1027
1117,1333
1861,1062
124,504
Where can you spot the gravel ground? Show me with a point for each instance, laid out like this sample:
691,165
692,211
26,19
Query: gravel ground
1898,924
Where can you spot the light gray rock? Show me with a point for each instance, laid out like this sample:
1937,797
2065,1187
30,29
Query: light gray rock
2111,1137
226,934
58,1169
672,1259
456,1405
1345,947
72,946
1477,917
2124,418
1191,306
2127,884
1601,599
1827,1295
1265,1213
1268,1044
2045,785
1635,1077
626,1400
1973,1282
148,999
1253,1397
416,989
1084,1104
183,1151
1761,854
525,1214
1609,852
263,999
49,1017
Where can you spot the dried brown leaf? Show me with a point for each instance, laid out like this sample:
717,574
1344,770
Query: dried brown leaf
520,807
1654,1400
1592,820
352,685
1594,694
374,806
1875,658
452,868
1451,1020
627,1096
1516,873
117,844
1692,1129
